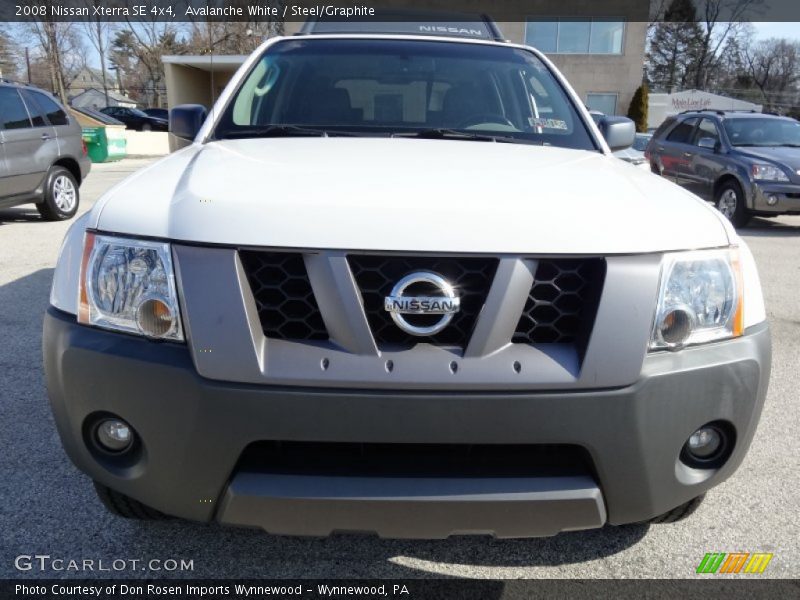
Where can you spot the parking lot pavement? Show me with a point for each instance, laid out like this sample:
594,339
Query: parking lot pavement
48,507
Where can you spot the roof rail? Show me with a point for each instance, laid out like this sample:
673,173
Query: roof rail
410,22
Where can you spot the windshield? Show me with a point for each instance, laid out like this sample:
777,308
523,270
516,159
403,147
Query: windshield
400,87
761,131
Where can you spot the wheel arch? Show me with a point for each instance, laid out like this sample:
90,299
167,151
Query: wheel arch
731,177
71,165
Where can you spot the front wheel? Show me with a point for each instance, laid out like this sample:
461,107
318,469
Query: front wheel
61,196
125,506
147,127
679,513
731,203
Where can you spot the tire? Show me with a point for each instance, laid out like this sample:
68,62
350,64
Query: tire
679,513
146,127
61,195
730,201
125,507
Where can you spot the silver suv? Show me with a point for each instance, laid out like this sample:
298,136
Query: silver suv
42,156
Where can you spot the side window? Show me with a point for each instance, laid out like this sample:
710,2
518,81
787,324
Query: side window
683,132
12,110
36,112
706,129
659,133
55,114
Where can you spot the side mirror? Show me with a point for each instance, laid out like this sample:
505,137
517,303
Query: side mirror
619,132
708,143
186,120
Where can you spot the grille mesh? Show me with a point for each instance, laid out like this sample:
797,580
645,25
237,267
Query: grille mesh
284,298
377,275
562,302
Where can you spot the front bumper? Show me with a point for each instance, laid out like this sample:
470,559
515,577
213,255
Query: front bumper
785,198
195,430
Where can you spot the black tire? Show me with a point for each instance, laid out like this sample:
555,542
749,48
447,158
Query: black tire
728,192
125,507
55,206
679,513
146,127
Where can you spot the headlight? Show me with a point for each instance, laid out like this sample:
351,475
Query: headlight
128,285
700,299
768,173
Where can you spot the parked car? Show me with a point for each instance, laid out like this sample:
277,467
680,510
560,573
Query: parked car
136,119
42,156
747,163
451,310
159,113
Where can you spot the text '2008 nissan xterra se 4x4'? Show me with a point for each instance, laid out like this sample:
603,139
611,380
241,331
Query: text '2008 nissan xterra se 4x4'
399,284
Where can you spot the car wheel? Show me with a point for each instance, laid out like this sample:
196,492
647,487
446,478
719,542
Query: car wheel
731,203
679,513
126,507
61,196
147,127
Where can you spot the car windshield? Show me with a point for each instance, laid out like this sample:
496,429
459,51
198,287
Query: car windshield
406,88
138,113
763,131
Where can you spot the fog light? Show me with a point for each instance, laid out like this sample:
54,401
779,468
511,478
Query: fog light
675,327
772,200
114,435
704,443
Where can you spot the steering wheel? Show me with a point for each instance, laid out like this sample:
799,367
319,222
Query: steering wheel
481,118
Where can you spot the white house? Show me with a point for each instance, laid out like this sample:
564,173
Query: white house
94,98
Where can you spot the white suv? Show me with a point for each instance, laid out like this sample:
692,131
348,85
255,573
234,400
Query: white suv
400,284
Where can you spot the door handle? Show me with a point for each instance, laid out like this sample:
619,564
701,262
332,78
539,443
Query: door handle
45,137
688,154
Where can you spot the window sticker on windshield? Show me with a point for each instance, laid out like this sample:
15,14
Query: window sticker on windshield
549,124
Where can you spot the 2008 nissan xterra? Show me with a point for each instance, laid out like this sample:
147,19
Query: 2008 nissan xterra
399,284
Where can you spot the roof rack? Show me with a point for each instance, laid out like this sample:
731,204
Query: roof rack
409,22
719,111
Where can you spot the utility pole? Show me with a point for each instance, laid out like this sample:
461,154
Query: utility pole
28,63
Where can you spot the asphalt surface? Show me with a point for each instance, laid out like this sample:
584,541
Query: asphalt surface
47,507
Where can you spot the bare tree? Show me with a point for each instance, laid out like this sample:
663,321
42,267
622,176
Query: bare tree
98,32
62,50
8,57
138,50
720,19
774,67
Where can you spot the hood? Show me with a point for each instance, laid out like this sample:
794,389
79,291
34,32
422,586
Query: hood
412,195
789,157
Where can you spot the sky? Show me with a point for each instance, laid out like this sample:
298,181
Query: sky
766,30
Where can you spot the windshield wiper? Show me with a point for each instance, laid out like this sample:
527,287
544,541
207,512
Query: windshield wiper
276,131
455,134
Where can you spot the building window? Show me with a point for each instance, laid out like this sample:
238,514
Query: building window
576,36
605,103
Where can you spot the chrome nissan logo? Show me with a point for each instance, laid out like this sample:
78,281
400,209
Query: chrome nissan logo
445,303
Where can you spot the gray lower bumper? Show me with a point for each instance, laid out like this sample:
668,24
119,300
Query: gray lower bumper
413,507
785,198
195,430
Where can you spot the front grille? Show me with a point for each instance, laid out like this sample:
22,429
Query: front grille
284,298
414,460
377,275
562,302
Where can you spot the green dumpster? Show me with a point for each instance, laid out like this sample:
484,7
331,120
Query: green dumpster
105,143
